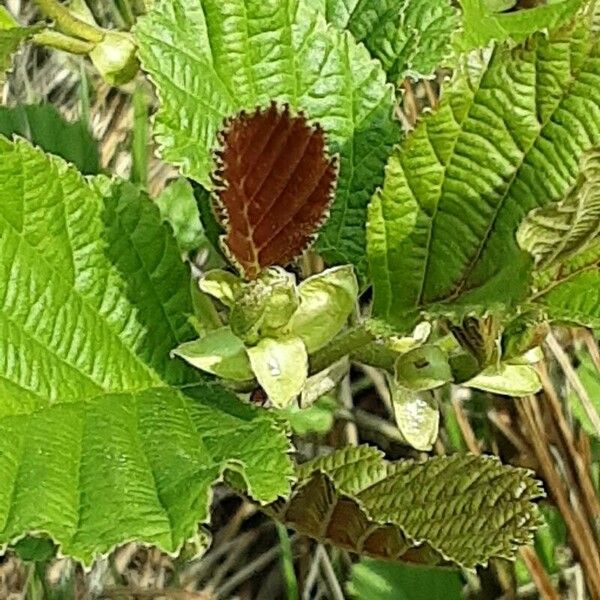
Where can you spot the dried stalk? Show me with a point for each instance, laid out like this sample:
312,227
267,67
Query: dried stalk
530,558
579,530
572,377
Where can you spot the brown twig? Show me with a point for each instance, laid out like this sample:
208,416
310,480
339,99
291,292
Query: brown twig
532,562
580,534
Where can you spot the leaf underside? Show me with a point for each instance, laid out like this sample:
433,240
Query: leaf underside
96,447
459,509
506,139
274,183
210,59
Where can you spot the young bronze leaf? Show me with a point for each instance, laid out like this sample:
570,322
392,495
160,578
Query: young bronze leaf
274,183
459,509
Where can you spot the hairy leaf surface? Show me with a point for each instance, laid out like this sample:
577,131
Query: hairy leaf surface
210,59
463,509
482,25
409,37
274,185
95,447
506,139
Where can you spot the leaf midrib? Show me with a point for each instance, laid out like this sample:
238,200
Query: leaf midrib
468,270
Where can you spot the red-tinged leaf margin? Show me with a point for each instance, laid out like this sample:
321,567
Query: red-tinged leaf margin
274,183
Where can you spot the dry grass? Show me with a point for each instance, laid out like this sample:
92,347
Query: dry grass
244,558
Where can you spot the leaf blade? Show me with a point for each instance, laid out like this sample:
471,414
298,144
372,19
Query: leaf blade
89,393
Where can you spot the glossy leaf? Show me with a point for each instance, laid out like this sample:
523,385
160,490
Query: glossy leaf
274,184
423,368
219,352
326,302
506,139
96,447
462,509
507,380
210,59
281,368
417,416
411,38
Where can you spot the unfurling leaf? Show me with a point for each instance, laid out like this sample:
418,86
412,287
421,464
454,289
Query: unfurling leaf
461,509
505,139
417,416
281,368
115,57
219,352
326,301
274,183
222,285
556,232
479,337
264,306
508,380
422,368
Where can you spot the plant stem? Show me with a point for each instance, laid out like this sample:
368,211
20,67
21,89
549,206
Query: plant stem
139,143
60,41
69,23
343,345
360,345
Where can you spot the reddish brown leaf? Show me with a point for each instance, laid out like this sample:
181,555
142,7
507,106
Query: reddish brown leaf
274,184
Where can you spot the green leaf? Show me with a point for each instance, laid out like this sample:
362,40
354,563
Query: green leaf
45,127
318,418
462,509
411,38
575,300
564,241
222,285
423,368
508,380
11,37
556,232
34,549
96,447
209,59
482,24
326,302
178,207
380,580
417,417
506,139
219,352
588,376
281,368
115,57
